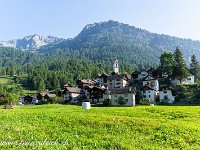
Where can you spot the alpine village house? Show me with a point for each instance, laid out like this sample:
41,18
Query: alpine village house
120,89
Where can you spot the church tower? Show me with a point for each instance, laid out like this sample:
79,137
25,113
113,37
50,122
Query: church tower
116,66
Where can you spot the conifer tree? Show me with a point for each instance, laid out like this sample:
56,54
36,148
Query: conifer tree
194,67
180,70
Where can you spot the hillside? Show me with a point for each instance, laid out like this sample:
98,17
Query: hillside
107,40
104,41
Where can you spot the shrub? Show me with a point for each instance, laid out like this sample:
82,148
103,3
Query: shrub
145,102
10,100
121,100
106,102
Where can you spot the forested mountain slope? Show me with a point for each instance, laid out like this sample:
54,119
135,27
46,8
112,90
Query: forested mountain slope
106,40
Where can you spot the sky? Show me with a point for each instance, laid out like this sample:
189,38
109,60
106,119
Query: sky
66,18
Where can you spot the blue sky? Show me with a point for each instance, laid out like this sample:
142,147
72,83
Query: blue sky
66,18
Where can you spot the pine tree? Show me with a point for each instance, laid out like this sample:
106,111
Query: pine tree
194,67
180,70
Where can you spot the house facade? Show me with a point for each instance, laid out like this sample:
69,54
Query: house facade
151,82
117,81
96,94
188,80
149,93
167,94
143,74
124,96
71,93
28,100
101,79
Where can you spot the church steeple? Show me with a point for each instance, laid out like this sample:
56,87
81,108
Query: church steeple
116,66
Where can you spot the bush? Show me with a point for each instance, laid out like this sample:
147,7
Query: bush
121,100
145,102
106,102
10,100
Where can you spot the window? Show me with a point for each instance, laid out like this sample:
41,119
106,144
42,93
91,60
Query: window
189,79
117,79
149,95
149,91
152,83
118,83
165,97
165,92
144,96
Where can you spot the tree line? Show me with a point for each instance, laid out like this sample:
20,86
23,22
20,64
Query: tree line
173,65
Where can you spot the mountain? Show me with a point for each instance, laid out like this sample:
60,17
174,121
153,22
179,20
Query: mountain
105,41
131,45
31,42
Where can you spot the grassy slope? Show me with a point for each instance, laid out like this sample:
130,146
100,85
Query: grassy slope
102,128
5,79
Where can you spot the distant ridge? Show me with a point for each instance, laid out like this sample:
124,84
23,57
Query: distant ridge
31,42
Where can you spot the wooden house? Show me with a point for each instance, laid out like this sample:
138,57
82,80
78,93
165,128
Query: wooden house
71,94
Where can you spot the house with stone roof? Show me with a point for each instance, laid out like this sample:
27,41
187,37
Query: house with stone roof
71,93
85,82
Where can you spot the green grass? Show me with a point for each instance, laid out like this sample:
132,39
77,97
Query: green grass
5,79
70,127
30,92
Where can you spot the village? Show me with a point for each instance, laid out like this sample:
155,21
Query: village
116,89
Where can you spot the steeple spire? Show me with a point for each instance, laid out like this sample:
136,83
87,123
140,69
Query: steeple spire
116,66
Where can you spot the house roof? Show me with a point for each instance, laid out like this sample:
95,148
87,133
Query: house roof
72,90
51,95
102,75
146,78
164,88
98,88
43,93
143,71
87,81
67,85
135,72
146,87
150,70
123,90
118,76
88,87
28,96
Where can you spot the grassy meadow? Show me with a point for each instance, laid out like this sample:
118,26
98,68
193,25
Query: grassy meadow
69,127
